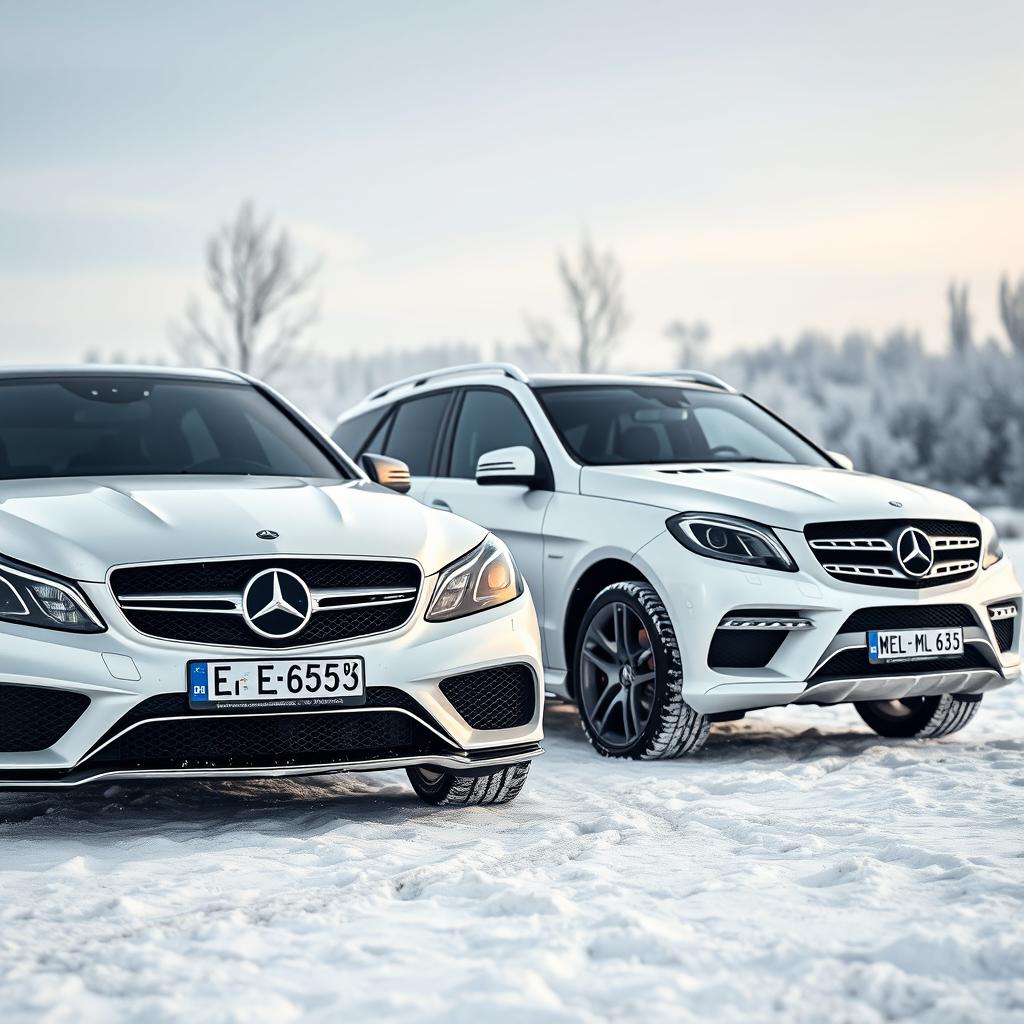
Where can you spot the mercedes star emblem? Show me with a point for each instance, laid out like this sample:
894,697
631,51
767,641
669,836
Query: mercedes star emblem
915,553
267,534
276,604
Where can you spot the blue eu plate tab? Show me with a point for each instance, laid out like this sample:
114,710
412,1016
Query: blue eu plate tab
198,682
872,647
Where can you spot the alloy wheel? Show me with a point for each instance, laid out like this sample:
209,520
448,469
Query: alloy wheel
617,675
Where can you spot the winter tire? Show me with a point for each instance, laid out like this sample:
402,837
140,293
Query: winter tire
629,678
440,787
925,717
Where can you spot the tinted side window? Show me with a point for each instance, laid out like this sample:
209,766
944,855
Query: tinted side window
352,435
414,431
488,420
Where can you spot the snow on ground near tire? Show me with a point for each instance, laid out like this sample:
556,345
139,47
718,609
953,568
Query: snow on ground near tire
800,869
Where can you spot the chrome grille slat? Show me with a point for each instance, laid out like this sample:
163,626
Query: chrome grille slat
952,569
852,544
862,570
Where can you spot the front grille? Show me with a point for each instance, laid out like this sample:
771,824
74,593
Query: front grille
35,717
351,598
495,698
932,616
744,648
267,741
854,664
866,551
231,576
209,628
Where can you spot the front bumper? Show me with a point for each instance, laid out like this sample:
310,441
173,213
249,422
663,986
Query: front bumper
134,684
700,592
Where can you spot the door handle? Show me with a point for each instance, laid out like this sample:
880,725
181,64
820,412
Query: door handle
441,504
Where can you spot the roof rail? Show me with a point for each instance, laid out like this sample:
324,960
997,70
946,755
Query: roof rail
418,379
690,377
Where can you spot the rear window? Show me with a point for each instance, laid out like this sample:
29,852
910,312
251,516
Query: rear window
131,426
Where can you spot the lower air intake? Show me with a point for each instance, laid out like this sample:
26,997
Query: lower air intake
495,698
744,648
35,717
267,741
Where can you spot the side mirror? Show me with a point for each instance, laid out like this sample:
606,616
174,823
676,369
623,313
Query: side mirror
845,462
392,473
516,465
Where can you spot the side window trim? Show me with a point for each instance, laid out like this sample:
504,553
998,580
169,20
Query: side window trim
440,454
444,454
382,431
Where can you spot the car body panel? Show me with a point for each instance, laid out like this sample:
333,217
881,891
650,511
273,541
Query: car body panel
80,527
783,496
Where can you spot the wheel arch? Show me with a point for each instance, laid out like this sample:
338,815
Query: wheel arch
591,582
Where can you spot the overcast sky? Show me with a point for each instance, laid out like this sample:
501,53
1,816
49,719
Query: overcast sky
766,167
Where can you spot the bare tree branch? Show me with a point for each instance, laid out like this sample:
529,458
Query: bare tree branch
593,290
258,284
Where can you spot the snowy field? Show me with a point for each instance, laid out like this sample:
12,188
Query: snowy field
801,869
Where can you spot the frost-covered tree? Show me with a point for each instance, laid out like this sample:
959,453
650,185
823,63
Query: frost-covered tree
960,323
1014,472
690,342
1011,311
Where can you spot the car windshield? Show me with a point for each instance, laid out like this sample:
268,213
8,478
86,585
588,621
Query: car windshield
132,426
623,424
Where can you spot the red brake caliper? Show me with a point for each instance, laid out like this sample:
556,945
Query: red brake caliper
644,638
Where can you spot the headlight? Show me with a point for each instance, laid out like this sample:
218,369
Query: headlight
32,598
484,578
994,551
731,540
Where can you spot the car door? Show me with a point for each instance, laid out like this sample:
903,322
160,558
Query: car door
483,420
411,433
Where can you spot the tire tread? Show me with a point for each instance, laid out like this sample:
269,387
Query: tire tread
498,787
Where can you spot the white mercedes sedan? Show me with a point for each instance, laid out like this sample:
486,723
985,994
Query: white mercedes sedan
194,581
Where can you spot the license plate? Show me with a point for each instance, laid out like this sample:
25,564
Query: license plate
914,644
228,684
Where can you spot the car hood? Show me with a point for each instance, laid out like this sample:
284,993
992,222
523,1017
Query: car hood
82,527
785,496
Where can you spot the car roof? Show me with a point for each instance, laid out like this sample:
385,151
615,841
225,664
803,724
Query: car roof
56,372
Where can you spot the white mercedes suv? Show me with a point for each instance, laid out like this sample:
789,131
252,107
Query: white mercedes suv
692,557
195,582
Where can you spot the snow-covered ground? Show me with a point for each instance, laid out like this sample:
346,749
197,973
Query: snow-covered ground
801,869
